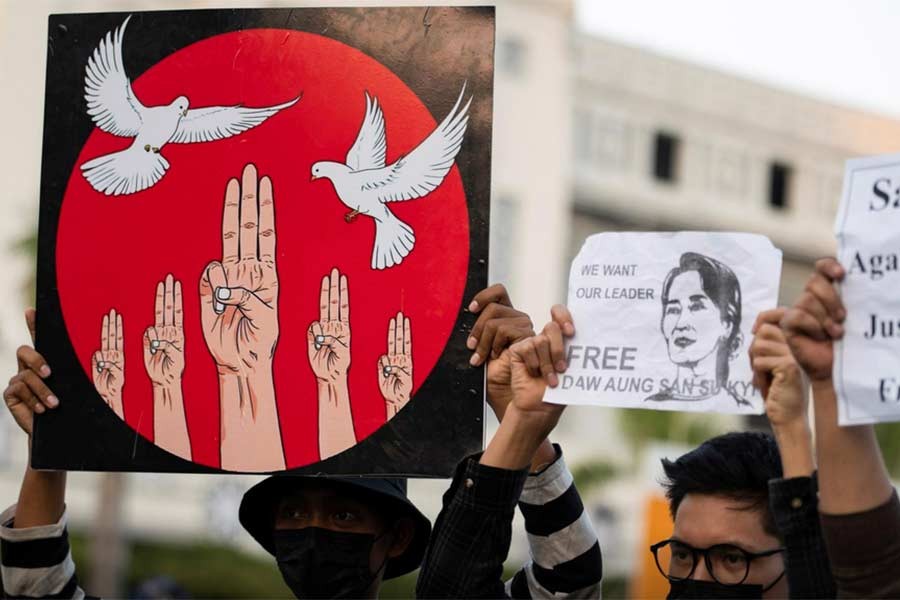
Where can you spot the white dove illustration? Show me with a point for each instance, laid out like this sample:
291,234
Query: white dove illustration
115,109
366,185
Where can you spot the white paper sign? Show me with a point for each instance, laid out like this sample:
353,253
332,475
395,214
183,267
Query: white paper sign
867,361
663,320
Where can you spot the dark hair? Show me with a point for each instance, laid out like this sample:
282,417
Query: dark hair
721,285
737,465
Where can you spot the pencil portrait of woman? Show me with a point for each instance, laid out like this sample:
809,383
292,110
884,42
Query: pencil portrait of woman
701,324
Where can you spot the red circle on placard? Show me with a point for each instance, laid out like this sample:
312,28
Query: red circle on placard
112,251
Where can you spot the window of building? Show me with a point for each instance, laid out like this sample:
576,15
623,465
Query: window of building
665,157
779,185
511,56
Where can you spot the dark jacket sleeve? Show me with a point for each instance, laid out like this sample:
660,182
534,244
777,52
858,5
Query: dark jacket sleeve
795,506
471,535
864,549
565,554
36,561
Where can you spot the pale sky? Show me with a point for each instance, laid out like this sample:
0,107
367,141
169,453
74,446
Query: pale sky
842,51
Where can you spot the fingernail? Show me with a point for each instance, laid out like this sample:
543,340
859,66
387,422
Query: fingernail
52,401
473,306
552,379
218,307
45,371
472,342
152,350
100,365
154,344
474,360
223,293
561,366
39,408
568,329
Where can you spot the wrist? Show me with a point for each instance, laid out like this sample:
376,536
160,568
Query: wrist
795,430
794,442
168,387
544,456
824,385
339,382
532,424
517,440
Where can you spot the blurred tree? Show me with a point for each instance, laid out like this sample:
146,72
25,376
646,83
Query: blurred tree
641,426
889,440
593,474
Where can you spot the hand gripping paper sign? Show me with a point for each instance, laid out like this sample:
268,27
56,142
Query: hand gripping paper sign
663,320
867,359
258,232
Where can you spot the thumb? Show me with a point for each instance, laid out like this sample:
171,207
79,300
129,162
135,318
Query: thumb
213,278
151,343
249,303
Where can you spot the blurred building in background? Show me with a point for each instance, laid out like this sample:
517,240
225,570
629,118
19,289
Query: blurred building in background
589,135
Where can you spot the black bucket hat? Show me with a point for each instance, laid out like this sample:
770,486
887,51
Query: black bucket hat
258,508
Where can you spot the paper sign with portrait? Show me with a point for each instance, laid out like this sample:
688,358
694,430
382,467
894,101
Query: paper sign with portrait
259,230
663,320
867,359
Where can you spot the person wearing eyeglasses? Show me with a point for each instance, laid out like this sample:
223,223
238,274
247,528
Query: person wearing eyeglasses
745,504
725,543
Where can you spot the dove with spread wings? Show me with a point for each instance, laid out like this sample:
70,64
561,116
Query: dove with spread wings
366,186
115,109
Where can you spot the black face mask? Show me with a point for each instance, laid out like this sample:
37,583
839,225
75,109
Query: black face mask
691,588
320,563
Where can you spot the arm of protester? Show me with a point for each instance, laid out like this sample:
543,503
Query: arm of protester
35,561
780,381
852,476
472,534
793,499
565,553
860,511
498,326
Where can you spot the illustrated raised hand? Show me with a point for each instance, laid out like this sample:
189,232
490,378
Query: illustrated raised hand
328,339
239,295
27,393
164,341
164,361
239,315
108,363
395,369
816,320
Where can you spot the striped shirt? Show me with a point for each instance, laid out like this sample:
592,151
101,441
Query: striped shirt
471,536
36,562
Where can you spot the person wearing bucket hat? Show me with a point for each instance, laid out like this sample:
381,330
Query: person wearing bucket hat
336,537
